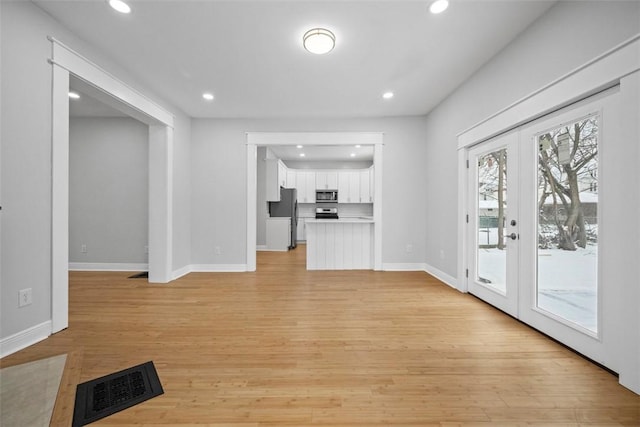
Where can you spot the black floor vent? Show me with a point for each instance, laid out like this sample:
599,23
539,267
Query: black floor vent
107,395
143,275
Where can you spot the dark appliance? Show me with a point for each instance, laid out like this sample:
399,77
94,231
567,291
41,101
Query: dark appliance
326,196
326,213
287,207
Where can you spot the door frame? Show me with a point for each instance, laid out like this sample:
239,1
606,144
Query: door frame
619,65
65,61
266,139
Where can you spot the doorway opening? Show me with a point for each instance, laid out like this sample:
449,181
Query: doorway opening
108,185
66,62
315,140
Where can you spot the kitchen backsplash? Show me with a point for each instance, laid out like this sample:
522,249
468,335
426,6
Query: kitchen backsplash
345,210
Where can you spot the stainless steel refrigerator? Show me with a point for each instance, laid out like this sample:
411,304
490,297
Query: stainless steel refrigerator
287,207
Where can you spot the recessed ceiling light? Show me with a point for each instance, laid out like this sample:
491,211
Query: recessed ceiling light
358,146
387,95
208,96
298,146
319,41
352,154
120,6
301,154
74,95
439,6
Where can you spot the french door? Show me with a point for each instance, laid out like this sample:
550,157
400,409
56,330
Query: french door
493,199
535,228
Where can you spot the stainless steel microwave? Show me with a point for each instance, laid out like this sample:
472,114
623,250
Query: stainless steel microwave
326,196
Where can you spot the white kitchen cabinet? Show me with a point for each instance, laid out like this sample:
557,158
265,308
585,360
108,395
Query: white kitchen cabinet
291,178
278,233
349,187
366,196
326,180
372,180
276,178
306,186
282,174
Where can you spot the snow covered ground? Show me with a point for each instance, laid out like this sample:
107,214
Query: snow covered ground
567,281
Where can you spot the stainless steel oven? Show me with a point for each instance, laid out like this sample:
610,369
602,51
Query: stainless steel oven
326,196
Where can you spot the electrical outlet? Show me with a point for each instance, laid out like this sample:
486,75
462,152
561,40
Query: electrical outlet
83,249
409,248
24,297
217,250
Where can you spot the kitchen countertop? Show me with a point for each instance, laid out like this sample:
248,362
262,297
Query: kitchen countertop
358,219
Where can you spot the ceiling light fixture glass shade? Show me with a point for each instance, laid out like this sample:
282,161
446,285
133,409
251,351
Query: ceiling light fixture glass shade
319,41
439,6
120,6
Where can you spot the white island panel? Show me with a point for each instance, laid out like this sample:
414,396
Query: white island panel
344,244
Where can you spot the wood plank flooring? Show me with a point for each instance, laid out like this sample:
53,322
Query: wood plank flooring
287,347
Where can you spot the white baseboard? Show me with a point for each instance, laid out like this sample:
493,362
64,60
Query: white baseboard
403,266
218,268
176,274
24,339
107,266
441,275
438,274
261,247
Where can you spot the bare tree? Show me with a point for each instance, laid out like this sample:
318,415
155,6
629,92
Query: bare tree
567,155
493,186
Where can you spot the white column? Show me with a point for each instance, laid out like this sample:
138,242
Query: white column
160,203
60,200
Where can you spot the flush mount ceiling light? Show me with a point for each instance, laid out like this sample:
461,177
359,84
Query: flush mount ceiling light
74,95
298,146
387,95
439,6
352,154
301,154
319,41
208,96
120,6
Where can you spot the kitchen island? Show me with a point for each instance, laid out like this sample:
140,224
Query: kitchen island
340,244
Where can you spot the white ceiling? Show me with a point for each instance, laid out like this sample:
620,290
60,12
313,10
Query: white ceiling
250,55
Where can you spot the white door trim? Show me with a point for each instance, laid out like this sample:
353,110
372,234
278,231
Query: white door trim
255,139
66,61
600,73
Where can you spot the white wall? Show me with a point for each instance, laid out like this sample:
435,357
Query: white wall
219,183
108,190
567,36
26,161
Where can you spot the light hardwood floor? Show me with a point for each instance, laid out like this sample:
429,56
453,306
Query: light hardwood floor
284,346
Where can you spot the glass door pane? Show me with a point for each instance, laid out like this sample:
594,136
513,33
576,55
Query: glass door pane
567,203
491,260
